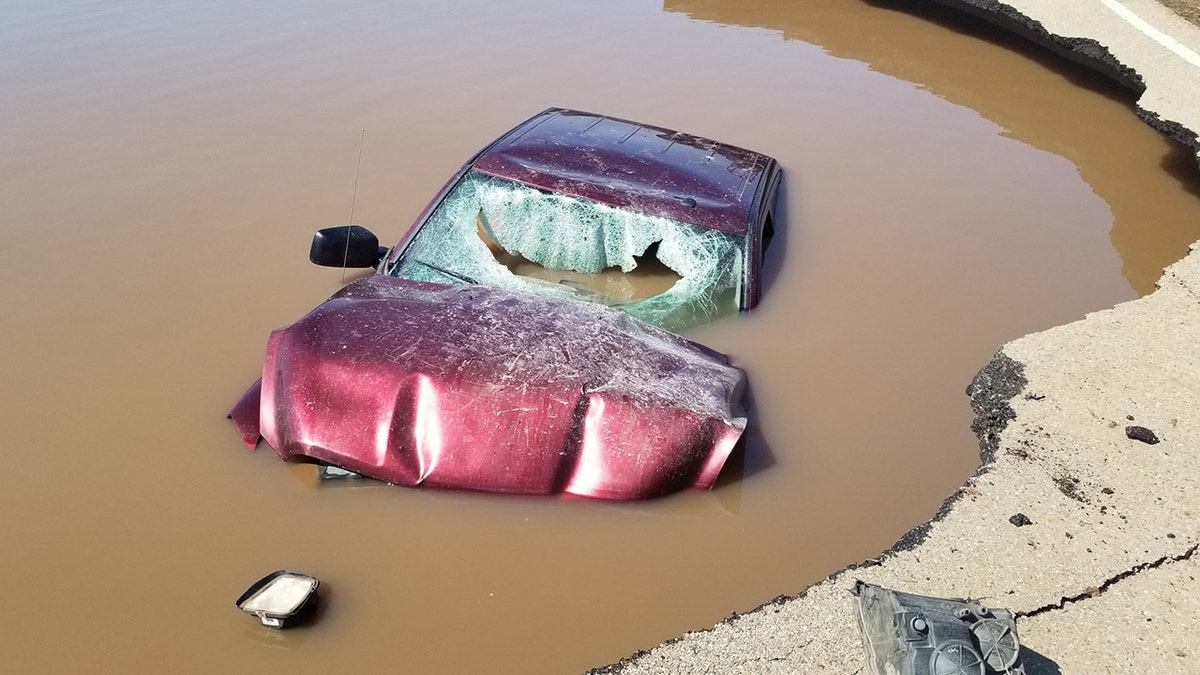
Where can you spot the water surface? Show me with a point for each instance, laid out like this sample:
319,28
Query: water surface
164,165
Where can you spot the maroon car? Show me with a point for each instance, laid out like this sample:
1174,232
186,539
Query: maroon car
668,226
471,360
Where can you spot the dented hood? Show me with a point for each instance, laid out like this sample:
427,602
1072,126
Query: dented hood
489,389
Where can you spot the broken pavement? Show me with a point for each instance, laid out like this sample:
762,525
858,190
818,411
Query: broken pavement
1074,521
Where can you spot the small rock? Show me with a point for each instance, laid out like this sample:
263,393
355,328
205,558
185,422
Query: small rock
1141,434
1020,520
1108,491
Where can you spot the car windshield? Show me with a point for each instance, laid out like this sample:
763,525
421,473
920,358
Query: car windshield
501,233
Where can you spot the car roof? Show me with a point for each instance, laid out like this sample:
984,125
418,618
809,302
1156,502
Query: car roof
648,169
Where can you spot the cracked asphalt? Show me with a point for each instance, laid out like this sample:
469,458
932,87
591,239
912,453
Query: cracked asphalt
1084,517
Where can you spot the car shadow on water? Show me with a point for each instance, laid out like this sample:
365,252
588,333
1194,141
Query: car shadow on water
776,252
752,454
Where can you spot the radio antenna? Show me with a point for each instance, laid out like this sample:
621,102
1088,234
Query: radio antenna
353,199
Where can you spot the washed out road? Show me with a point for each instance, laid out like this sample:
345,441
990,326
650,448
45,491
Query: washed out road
1084,516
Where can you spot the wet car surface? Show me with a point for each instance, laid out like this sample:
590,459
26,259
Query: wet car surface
576,193
444,370
488,389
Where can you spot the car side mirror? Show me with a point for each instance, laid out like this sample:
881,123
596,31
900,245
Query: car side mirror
352,246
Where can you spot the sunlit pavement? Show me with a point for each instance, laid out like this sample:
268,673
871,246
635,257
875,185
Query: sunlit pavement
1161,47
1101,571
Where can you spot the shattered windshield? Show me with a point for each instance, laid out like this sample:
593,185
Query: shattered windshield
501,233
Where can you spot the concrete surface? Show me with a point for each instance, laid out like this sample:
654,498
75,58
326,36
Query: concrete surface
1103,578
1139,43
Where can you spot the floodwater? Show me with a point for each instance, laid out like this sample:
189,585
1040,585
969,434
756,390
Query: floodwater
162,167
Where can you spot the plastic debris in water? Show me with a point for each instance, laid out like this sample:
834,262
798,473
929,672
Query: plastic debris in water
281,599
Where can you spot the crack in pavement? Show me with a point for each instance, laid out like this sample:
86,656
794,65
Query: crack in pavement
1096,591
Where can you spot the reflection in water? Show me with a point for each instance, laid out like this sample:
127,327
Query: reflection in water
609,286
178,156
1152,222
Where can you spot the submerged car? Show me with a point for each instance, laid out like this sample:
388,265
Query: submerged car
483,388
668,226
503,347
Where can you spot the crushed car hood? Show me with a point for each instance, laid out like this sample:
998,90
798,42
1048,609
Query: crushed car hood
482,388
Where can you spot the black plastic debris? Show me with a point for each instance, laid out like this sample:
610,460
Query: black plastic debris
281,599
1020,519
330,472
908,634
1141,434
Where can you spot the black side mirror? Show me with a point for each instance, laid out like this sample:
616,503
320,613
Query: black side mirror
353,246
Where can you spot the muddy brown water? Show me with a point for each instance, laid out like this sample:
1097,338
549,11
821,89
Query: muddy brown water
163,167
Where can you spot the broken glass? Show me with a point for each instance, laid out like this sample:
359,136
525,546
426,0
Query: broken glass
578,237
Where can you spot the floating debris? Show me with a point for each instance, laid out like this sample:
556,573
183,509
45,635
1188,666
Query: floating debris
281,599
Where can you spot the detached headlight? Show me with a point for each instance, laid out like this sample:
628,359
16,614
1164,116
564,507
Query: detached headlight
281,599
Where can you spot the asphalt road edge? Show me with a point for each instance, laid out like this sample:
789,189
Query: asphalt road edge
1074,520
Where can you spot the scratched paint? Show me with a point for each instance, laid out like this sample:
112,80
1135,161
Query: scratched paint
164,167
